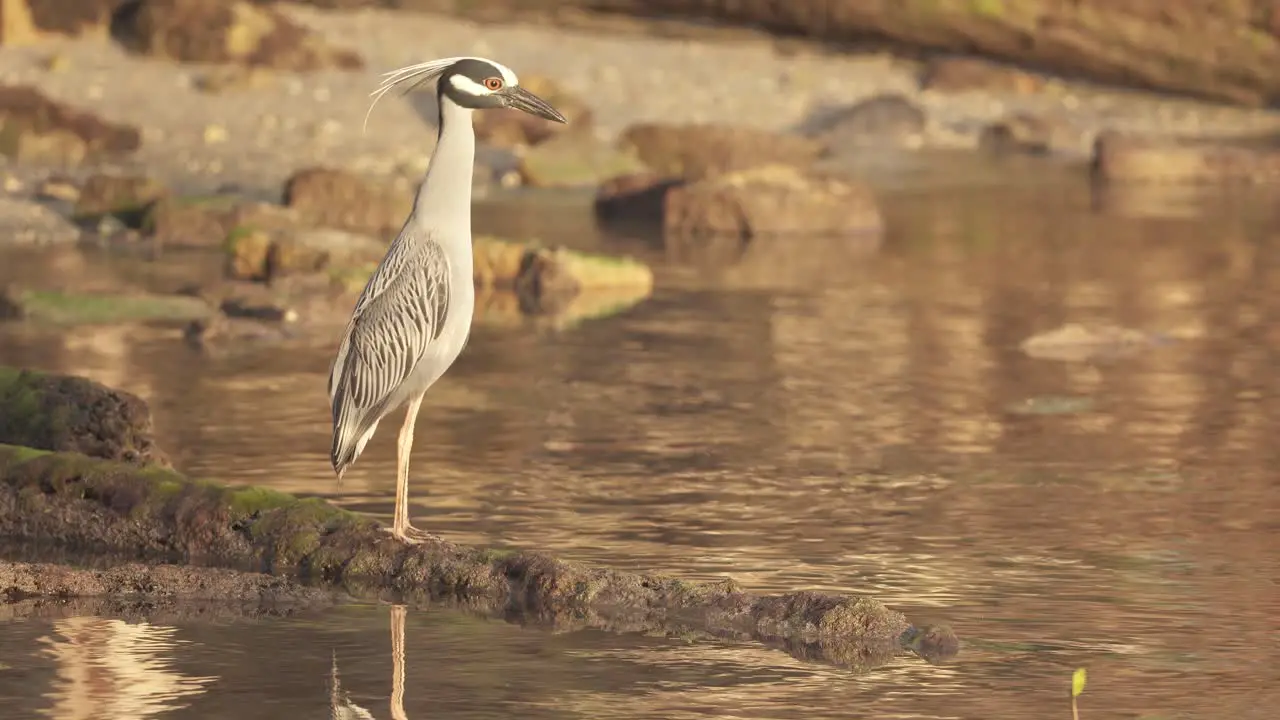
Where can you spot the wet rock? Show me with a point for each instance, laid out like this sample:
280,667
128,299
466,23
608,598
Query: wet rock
1028,134
58,307
514,128
883,118
26,581
771,199
535,270
266,256
545,284
963,74
330,197
699,151
573,160
123,196
225,31
67,499
75,414
633,198
236,307
35,128
1122,158
23,22
1078,342
206,221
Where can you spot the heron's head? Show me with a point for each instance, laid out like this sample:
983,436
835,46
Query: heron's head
471,82
481,84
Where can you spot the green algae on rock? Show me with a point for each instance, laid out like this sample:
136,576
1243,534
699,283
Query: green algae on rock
43,412
77,501
56,307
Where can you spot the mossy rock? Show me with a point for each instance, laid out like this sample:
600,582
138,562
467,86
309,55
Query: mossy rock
65,413
73,500
57,307
500,263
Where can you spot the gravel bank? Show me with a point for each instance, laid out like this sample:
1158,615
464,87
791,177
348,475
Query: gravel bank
261,129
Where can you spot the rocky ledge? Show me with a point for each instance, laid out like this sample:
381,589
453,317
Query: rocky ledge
147,513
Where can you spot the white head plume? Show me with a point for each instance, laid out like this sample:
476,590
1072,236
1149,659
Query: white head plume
424,72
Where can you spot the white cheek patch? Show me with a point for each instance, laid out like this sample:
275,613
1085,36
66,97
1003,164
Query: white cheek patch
466,85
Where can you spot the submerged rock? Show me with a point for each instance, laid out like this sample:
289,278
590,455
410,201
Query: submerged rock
225,31
75,414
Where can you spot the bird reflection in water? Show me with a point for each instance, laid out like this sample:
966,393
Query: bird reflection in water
340,705
109,668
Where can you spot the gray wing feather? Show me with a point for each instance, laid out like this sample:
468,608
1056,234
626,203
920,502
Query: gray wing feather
401,311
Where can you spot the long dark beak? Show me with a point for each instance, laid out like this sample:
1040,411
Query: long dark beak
522,99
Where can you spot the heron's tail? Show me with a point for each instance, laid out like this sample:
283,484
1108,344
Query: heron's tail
347,446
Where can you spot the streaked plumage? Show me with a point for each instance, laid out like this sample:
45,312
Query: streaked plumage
414,316
398,316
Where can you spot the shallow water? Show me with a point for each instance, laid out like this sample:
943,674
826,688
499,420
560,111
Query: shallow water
812,416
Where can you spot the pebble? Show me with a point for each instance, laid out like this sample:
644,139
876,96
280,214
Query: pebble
214,134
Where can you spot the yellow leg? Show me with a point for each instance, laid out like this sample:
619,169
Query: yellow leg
400,526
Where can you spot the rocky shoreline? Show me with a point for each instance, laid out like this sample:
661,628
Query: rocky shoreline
173,90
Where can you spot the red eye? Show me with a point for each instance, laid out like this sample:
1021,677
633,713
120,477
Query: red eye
493,83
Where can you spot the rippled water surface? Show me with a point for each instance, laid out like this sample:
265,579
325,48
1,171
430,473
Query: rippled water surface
810,415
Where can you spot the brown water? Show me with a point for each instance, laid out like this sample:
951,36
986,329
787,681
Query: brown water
813,416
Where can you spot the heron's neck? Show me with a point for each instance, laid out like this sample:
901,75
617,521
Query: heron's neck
444,198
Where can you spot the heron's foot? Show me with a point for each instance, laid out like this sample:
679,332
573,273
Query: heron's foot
409,535
420,535
402,534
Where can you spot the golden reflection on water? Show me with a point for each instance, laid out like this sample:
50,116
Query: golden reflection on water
110,669
858,425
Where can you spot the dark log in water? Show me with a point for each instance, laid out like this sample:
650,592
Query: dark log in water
154,513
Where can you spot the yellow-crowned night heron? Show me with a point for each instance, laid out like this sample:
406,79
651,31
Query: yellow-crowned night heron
414,316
